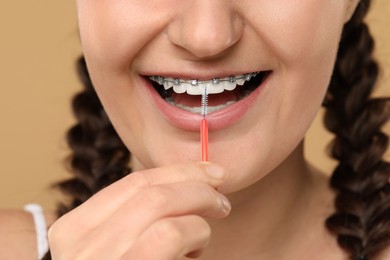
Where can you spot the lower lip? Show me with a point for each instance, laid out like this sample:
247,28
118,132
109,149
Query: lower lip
217,120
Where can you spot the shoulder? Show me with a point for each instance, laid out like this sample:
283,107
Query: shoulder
17,234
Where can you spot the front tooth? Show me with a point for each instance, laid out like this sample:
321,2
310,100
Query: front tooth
195,89
214,88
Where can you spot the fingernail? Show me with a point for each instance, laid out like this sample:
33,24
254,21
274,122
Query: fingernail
227,207
213,170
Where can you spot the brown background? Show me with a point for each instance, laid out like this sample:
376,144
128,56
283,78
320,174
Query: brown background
39,44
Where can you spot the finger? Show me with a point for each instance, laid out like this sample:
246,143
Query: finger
107,201
171,238
155,203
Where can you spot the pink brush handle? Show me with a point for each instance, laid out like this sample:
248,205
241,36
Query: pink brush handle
204,139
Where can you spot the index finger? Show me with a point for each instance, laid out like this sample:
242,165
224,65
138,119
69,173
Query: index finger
108,200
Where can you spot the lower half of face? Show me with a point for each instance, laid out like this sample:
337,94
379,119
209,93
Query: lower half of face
265,89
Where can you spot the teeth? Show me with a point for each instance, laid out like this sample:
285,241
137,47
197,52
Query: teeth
240,82
198,110
228,85
196,87
178,88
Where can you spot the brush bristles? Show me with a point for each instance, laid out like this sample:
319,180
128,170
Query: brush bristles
204,101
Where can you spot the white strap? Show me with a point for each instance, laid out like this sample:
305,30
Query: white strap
40,227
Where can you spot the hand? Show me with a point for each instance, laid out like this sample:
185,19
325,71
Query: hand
152,214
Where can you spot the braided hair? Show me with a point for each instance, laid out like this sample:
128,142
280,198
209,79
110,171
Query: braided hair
361,179
99,156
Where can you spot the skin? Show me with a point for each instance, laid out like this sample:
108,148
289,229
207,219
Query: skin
267,203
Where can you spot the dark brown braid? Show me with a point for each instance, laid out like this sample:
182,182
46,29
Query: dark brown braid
99,156
361,179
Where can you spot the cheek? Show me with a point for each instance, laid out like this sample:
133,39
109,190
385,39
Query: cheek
108,28
300,30
305,36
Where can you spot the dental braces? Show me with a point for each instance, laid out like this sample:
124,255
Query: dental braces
194,82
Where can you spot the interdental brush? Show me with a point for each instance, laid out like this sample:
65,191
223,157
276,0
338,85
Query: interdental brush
204,128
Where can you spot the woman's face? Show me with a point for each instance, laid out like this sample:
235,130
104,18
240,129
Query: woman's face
133,45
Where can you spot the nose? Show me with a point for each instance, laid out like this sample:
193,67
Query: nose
206,28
